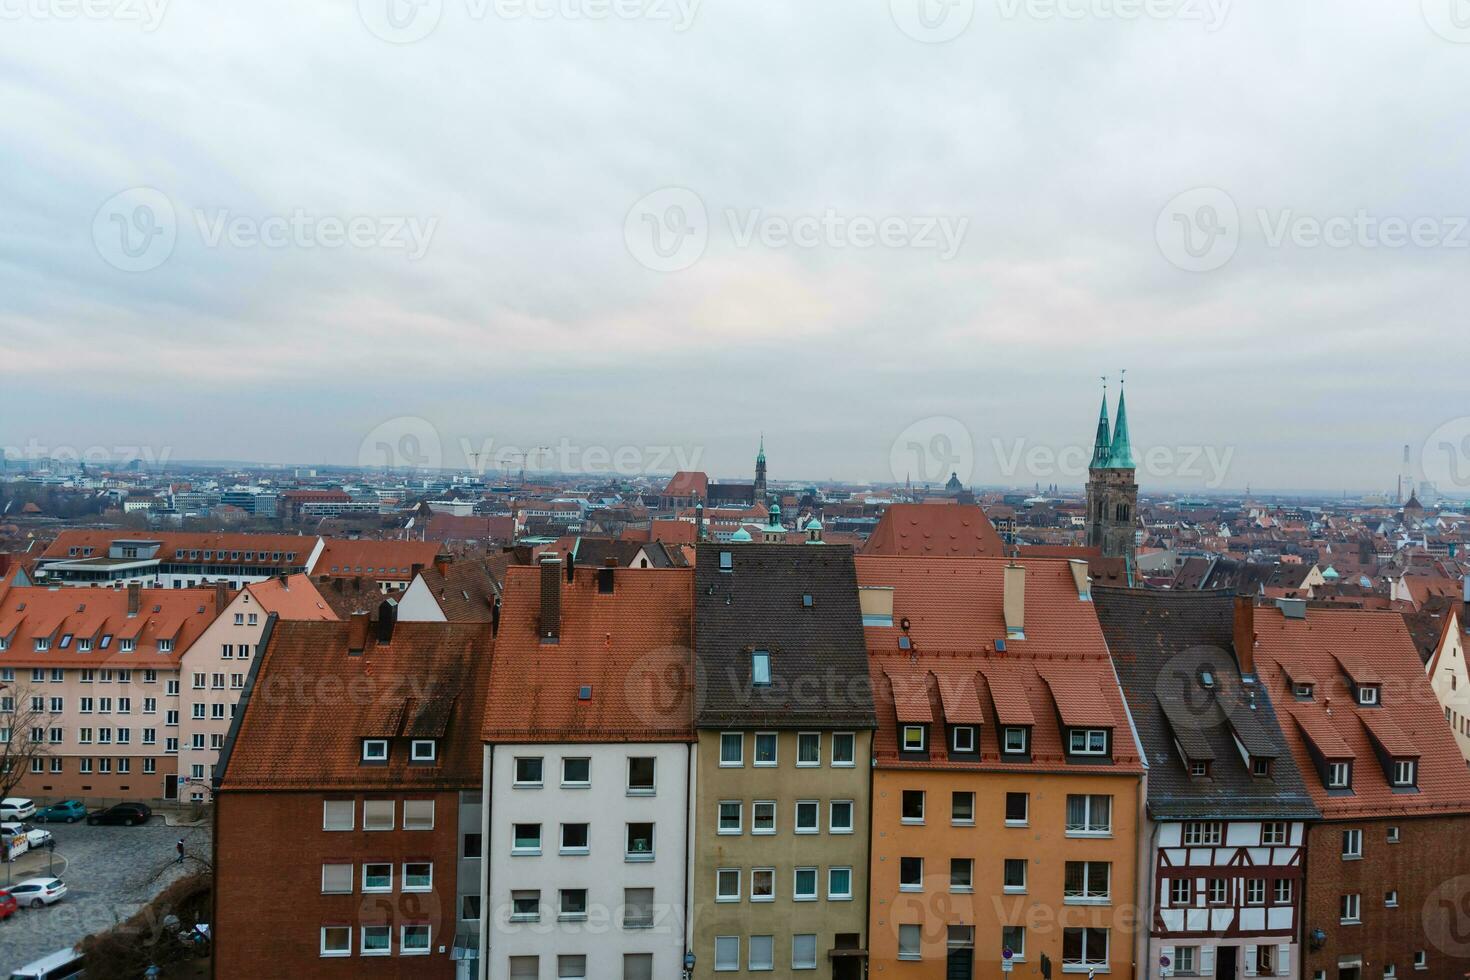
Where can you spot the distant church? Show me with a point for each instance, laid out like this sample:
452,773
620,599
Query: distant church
742,494
1112,491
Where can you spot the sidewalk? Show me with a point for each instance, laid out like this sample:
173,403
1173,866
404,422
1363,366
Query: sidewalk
34,864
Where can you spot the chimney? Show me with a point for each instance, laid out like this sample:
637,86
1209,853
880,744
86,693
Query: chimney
417,567
441,564
135,598
387,618
605,575
1245,634
571,566
550,598
1015,601
221,596
357,631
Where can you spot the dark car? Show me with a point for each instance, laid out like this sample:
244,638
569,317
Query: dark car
127,814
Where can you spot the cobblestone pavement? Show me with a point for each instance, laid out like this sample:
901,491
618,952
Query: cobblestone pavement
107,872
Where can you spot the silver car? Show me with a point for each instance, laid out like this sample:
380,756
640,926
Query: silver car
36,892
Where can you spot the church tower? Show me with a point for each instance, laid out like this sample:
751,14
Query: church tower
759,490
1112,492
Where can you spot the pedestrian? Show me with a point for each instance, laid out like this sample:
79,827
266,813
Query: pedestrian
180,848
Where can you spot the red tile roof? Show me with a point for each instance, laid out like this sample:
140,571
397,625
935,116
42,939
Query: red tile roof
959,530
177,544
632,647
686,483
31,612
379,560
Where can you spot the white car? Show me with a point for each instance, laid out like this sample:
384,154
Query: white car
36,892
35,835
17,808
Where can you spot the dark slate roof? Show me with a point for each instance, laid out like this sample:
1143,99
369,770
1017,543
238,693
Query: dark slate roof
819,660
1160,641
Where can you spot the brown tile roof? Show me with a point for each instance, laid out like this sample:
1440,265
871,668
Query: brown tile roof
311,703
956,530
31,612
466,590
293,598
379,560
178,544
688,483
633,648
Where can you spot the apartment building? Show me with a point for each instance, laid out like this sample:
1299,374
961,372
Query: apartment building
1449,675
785,720
172,560
589,753
1007,779
349,805
92,677
1228,812
212,671
1386,865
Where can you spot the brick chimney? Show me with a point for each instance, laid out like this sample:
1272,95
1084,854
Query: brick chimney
1245,634
550,598
221,596
135,598
357,633
1014,601
441,564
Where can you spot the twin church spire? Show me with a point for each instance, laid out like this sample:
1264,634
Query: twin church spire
1112,451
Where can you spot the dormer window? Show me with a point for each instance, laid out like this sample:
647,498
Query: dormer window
760,668
84,645
1368,695
1302,690
913,738
1339,775
1261,768
1087,741
727,562
1199,768
126,646
1405,773
375,750
43,643
423,750
1015,740
963,739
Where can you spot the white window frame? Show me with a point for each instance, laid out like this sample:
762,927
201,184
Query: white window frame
833,827
969,732
1019,731
373,749
416,822
796,894
374,889
755,759
755,807
515,773
815,763
737,763
336,952
816,808
771,895
839,896
1350,909
416,750
850,738
405,950
722,876
916,744
328,807
1094,741
720,828
363,947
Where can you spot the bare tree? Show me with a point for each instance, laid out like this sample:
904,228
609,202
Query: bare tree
23,719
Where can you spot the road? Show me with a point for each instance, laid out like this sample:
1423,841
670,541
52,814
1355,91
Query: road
107,872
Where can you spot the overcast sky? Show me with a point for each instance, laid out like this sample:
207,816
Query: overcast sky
898,241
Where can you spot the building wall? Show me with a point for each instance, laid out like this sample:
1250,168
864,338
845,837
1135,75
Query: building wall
1423,868
206,656
1451,684
604,872
418,605
269,906
784,852
1043,843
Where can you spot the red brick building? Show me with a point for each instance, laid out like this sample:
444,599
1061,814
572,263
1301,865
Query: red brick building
348,806
1385,865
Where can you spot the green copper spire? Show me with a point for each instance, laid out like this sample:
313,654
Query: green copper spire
760,457
1100,446
1120,456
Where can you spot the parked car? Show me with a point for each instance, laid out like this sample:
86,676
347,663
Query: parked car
127,814
8,904
35,835
16,808
36,892
60,965
67,811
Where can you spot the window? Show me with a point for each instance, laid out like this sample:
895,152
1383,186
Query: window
760,668
418,814
572,905
913,738
839,884
732,749
1265,960
729,817
470,910
1404,772
1339,775
1199,768
1352,844
526,838
765,748
1087,741
1089,815
962,809
1348,909
1090,881
809,749
377,940
338,814
804,885
574,838
1014,880
576,772
763,885
377,877
525,906
1282,891
804,951
472,845
1261,768
763,817
1017,809
413,940
336,879
571,966
1393,835
1368,694
909,937
377,814
727,563
840,821
1204,834
1390,971
1084,949
641,771
637,908
1421,959
762,952
336,940
727,952
913,806
911,874
844,746
963,738
528,772
1013,938
727,885
1391,899
961,874
1273,833
1015,741
640,842
1255,891
1186,960
373,749
419,750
